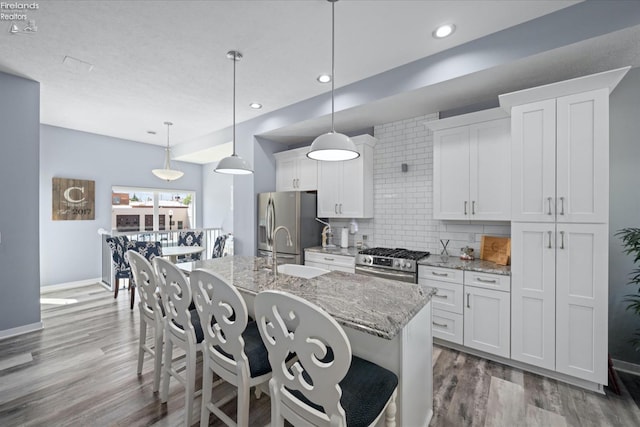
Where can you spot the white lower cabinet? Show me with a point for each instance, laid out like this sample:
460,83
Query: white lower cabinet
330,262
447,326
470,308
446,322
486,320
560,297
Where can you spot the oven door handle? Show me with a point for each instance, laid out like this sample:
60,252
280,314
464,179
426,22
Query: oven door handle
385,274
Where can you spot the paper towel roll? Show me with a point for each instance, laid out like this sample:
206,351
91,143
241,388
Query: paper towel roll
344,240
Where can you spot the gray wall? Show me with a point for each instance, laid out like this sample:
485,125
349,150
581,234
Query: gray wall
19,254
624,211
70,250
217,189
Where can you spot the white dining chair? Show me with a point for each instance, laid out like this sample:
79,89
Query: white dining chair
325,386
232,348
151,313
182,329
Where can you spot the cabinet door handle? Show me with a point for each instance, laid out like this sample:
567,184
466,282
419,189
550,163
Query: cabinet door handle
473,207
335,208
562,240
468,296
465,207
439,274
328,259
440,325
549,233
340,207
440,296
561,205
549,200
298,182
293,182
480,279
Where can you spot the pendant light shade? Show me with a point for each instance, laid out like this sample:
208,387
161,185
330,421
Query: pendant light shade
167,173
333,146
234,164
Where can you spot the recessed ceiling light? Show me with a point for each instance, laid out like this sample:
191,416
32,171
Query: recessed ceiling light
324,78
255,105
444,30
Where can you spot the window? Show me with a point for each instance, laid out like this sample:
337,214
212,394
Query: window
149,209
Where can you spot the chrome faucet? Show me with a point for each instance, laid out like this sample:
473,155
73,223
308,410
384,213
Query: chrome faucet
275,251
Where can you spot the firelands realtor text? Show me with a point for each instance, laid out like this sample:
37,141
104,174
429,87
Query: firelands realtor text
11,11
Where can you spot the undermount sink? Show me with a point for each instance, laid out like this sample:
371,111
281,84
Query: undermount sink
304,271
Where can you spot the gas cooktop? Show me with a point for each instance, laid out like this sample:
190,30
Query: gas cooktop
395,253
393,259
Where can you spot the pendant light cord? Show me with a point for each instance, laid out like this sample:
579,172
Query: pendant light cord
167,154
235,59
333,62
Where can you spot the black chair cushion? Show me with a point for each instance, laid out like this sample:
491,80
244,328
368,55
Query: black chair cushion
366,388
255,350
195,321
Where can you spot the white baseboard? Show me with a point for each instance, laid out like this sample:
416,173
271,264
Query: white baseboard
630,368
69,285
21,330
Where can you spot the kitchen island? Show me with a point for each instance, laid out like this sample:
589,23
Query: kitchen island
387,322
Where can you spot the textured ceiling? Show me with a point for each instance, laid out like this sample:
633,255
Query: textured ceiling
155,61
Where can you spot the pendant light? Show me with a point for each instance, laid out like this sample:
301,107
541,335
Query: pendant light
234,164
333,146
167,173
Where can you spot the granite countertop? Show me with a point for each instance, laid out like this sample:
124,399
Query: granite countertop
372,305
350,251
456,263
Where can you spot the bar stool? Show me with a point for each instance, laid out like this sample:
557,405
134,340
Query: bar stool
151,313
232,347
182,329
326,386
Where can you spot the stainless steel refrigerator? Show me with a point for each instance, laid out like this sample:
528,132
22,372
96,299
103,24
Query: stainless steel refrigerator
295,210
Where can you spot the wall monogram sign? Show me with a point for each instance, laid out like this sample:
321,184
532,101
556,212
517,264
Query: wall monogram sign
73,199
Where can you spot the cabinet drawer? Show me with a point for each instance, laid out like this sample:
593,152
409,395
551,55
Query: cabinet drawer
496,282
440,274
332,260
447,326
449,296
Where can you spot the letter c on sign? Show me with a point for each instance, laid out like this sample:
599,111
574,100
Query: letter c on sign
67,194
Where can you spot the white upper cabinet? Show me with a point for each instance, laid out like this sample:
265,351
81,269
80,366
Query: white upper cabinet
471,166
533,128
560,151
582,157
560,162
295,171
345,189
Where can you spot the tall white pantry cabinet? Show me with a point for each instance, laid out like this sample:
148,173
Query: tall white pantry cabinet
559,229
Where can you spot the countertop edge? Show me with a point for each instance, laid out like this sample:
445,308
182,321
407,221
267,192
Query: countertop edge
456,263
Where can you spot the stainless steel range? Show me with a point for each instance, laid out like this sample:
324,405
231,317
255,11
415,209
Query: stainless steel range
397,264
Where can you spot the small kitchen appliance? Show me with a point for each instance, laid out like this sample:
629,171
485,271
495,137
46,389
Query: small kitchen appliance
396,264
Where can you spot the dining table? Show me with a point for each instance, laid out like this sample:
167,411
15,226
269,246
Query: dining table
173,252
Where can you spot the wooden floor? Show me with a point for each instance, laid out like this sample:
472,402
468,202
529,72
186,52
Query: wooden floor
81,371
